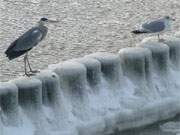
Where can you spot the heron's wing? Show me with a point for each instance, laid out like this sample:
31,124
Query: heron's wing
28,40
154,26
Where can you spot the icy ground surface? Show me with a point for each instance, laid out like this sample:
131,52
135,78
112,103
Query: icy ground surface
168,127
85,26
116,105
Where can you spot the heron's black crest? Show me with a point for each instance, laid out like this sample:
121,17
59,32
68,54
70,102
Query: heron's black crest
44,19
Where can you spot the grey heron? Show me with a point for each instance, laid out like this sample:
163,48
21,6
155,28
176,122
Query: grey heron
156,26
27,41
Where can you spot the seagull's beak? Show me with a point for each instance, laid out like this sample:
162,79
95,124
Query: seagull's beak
172,19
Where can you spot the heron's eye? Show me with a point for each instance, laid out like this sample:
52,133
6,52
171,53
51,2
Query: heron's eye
44,19
167,17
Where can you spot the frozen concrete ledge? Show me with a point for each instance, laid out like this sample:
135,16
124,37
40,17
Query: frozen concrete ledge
96,94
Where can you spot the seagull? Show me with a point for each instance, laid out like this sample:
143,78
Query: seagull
27,41
156,26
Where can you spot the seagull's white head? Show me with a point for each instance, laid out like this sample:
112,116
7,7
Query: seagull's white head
168,18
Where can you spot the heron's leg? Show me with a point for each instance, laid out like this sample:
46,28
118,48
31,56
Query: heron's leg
25,65
28,63
32,71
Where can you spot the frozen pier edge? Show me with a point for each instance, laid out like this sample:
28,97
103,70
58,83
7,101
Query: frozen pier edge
96,94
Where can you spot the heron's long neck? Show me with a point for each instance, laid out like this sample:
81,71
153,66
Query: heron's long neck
40,24
43,29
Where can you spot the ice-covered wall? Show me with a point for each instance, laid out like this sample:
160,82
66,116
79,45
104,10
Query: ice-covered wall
96,94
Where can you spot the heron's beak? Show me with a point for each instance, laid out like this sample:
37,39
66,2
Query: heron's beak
52,21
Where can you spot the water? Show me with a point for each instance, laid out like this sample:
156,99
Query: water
85,27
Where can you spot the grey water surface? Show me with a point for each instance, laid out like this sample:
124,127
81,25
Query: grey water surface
85,26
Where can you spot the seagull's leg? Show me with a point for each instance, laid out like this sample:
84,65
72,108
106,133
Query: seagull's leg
158,37
25,68
32,71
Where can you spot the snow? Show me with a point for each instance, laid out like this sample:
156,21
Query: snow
97,112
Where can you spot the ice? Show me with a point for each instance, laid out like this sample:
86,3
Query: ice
110,66
9,104
96,94
160,54
172,127
93,71
174,50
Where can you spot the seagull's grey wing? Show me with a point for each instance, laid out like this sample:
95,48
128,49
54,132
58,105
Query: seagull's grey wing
155,26
28,40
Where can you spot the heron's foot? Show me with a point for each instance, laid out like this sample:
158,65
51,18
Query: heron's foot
29,74
34,71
